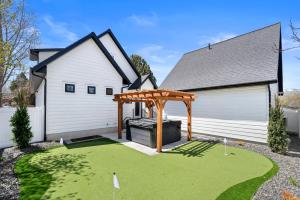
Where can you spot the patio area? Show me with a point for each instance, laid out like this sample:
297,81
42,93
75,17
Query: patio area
145,149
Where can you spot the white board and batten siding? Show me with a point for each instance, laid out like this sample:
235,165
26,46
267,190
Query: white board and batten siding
83,66
36,123
43,55
240,113
116,53
147,85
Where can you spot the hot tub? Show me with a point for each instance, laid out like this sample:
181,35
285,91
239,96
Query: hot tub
143,131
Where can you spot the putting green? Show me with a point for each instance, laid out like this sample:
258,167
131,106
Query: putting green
197,170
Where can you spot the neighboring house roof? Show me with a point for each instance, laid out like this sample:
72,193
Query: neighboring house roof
251,58
140,81
93,36
108,31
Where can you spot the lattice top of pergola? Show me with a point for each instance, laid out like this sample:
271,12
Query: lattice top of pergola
158,98
152,95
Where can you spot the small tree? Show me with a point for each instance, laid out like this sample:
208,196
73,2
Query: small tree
20,121
277,136
142,66
21,81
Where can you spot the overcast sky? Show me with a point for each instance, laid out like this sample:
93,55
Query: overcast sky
161,31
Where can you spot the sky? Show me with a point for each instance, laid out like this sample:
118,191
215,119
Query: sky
162,31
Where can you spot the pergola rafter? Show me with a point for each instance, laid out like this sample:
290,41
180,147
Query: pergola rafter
156,98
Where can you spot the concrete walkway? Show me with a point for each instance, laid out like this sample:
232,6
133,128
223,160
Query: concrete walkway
142,148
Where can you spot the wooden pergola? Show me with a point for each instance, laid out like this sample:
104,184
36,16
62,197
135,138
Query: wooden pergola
156,98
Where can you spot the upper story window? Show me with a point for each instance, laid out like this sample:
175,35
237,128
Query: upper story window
70,88
91,90
109,91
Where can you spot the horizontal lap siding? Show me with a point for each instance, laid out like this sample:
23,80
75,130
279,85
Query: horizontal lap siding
82,66
240,113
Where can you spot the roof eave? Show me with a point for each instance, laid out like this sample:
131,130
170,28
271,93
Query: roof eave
232,85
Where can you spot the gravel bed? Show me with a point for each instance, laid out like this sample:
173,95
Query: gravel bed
9,185
289,168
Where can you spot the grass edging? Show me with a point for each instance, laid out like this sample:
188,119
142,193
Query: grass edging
246,190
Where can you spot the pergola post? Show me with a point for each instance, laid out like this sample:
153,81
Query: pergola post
120,118
189,119
159,124
150,109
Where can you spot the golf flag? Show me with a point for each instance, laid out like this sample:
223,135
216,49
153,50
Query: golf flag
61,141
116,181
225,145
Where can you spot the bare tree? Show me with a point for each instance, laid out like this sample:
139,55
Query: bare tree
17,35
295,35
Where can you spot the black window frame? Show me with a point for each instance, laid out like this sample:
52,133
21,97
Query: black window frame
88,89
107,91
66,88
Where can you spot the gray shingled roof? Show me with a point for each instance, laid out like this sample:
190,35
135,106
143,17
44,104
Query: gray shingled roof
245,59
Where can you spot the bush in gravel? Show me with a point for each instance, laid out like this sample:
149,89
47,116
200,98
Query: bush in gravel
20,122
277,136
293,182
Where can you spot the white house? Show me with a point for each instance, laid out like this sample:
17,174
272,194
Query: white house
75,86
235,82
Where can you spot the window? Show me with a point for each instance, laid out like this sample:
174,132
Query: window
109,91
70,88
91,90
137,109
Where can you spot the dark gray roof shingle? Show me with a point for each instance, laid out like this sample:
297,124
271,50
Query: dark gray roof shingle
248,58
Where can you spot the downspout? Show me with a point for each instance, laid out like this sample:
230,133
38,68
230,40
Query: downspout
270,101
126,86
45,101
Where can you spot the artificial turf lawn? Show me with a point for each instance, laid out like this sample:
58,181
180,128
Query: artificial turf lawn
197,170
